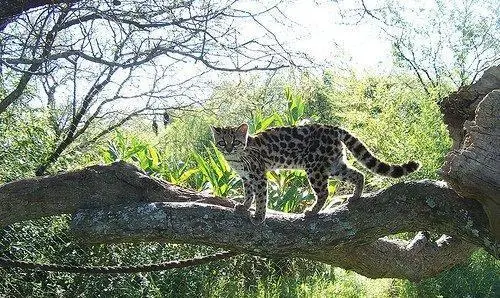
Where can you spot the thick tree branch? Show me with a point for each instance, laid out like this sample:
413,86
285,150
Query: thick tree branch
119,183
335,237
12,8
460,106
119,203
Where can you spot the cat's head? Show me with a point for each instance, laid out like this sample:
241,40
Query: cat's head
231,139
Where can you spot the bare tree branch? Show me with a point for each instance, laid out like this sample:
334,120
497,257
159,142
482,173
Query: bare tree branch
147,45
447,48
26,76
72,133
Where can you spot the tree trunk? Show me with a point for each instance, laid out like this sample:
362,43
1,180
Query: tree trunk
472,168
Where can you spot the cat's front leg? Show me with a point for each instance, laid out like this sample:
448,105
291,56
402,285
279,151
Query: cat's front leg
249,195
260,186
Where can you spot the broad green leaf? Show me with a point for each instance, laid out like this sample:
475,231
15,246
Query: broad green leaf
154,156
187,174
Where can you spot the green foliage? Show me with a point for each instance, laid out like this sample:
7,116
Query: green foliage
295,111
181,173
396,120
25,141
291,116
259,122
234,103
209,171
131,149
288,190
188,132
479,278
215,170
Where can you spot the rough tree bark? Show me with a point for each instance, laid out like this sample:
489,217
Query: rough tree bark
119,203
472,168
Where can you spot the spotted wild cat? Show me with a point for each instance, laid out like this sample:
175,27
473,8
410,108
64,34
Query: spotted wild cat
318,149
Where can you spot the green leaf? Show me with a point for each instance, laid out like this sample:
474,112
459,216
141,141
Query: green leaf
153,153
187,174
266,122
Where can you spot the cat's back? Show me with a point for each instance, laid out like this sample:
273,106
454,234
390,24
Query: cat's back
295,133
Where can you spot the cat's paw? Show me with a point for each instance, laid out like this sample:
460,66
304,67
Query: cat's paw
241,209
351,199
257,220
310,213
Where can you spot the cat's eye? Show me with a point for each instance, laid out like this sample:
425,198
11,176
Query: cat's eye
221,143
237,142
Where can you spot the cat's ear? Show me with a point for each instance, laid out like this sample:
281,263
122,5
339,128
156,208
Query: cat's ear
243,129
215,130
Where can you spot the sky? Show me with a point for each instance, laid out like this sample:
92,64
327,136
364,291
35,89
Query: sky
326,36
314,27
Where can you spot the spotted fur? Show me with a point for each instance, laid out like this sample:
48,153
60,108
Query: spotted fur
318,149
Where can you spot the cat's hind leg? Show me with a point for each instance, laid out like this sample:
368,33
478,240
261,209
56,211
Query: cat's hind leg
318,179
349,174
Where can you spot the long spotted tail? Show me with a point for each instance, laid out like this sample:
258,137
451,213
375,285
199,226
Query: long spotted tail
374,164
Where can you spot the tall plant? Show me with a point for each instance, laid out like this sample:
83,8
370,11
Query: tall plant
216,172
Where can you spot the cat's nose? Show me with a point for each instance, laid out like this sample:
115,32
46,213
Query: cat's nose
229,149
